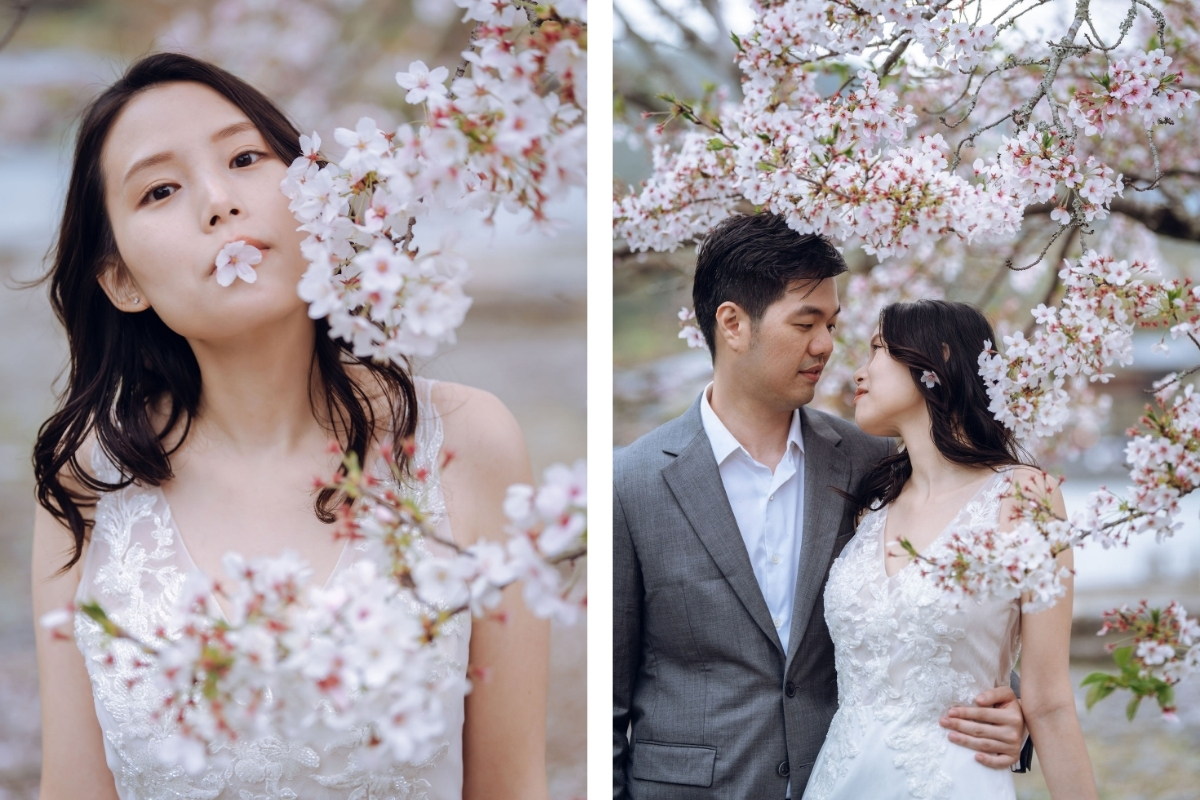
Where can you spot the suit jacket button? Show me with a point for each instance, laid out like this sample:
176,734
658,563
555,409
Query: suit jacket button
783,769
790,689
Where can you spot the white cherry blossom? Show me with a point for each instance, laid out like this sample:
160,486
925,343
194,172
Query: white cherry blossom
422,83
237,260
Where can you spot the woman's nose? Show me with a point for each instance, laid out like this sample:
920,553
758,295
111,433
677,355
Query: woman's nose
219,200
212,223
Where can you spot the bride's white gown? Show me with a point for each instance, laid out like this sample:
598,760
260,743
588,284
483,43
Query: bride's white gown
903,659
136,566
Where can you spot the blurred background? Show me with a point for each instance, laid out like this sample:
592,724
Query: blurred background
682,47
326,62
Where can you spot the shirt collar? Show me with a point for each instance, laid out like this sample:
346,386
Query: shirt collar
723,442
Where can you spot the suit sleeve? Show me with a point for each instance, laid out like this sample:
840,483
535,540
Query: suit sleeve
627,641
1025,761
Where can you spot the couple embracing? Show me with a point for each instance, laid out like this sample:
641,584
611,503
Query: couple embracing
771,639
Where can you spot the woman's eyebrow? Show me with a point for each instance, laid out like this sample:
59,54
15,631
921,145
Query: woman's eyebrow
149,161
161,158
233,130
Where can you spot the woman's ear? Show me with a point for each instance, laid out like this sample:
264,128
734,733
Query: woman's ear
945,352
121,288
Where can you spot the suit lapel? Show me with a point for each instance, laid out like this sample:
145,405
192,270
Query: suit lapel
696,483
825,466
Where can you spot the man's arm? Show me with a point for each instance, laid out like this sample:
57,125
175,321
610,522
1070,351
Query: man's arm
627,640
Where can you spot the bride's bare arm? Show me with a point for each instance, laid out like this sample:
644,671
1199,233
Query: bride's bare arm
1046,693
504,737
73,764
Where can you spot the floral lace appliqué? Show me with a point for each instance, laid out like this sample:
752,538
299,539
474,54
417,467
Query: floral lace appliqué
894,644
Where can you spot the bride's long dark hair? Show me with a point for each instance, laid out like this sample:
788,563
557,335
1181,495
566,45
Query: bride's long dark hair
123,364
944,338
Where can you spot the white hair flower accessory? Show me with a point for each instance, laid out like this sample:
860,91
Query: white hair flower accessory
930,378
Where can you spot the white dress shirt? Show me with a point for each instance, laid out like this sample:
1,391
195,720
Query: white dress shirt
769,509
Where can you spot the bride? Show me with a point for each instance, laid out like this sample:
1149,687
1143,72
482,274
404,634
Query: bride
193,421
903,658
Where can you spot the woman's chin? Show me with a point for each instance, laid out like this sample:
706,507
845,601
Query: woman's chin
870,424
237,314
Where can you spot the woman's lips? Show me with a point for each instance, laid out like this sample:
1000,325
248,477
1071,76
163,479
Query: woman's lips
859,394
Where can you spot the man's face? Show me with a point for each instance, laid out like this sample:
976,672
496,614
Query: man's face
788,348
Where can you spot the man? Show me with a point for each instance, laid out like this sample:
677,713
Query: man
726,521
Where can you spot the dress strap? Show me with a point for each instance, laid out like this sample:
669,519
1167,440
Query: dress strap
103,466
428,453
987,509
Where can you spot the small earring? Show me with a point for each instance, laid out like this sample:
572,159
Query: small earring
137,301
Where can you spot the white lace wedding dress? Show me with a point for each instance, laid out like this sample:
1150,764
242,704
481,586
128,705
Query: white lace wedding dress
135,567
903,659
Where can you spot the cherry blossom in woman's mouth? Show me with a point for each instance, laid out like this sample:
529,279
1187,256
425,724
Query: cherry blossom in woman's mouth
237,260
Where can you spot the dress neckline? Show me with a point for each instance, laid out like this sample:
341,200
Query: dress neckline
428,416
883,541
194,568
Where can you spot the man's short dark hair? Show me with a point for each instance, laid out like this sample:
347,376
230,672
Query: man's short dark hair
751,260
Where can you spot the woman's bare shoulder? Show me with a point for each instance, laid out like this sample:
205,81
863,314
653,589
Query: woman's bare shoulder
1034,484
51,536
476,424
486,453
1034,481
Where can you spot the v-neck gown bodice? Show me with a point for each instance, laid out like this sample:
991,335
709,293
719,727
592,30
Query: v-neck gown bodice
136,566
903,659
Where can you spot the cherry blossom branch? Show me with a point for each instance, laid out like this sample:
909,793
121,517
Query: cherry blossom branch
291,656
1053,238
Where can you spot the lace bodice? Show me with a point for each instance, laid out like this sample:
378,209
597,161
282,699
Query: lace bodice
136,566
904,657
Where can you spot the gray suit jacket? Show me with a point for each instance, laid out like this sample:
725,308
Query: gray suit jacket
706,703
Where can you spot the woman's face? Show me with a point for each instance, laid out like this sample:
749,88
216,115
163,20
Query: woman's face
887,395
185,173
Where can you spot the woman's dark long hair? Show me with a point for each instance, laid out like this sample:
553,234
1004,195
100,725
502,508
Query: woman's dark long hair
123,364
944,338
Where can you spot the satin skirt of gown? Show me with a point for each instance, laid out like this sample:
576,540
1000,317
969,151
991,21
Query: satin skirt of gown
903,659
136,565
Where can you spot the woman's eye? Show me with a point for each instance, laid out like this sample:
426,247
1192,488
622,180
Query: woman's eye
161,192
247,158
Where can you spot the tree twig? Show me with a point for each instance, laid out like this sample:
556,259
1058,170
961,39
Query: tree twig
406,241
462,65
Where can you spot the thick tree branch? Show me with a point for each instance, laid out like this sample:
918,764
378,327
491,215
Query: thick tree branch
1164,220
